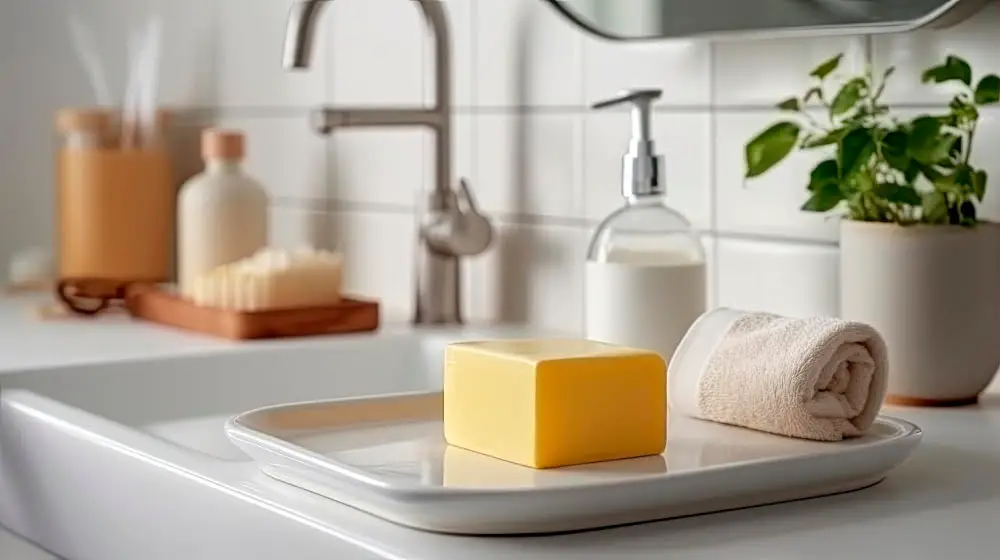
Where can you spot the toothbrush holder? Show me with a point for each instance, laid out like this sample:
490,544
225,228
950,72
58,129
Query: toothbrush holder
115,223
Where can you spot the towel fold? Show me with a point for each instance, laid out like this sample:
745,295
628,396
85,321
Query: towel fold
816,378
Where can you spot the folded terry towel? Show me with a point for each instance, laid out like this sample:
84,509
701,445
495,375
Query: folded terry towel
817,378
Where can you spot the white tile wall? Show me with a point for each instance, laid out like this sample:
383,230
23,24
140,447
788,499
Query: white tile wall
975,40
283,154
531,276
795,279
368,67
986,154
768,204
763,73
526,55
539,159
378,165
530,163
238,57
682,69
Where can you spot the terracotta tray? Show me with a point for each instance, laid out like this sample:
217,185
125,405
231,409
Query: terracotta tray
161,305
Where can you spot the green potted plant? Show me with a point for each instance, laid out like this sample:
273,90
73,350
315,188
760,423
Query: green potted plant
916,262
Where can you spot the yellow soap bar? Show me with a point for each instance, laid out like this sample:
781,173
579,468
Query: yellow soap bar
555,403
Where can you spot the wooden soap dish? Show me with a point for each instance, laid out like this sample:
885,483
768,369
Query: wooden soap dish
159,305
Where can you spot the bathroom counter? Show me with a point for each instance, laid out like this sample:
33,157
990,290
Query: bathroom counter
14,548
944,502
27,342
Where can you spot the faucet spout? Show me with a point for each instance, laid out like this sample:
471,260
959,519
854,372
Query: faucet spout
451,226
301,33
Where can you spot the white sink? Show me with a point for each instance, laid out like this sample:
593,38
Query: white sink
129,460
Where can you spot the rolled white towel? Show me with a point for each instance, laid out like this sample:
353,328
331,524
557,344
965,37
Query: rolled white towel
816,378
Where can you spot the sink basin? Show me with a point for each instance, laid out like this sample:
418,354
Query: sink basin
130,459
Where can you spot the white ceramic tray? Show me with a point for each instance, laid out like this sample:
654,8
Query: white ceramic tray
387,456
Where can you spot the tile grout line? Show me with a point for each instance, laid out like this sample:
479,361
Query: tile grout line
474,93
473,296
713,172
581,119
196,116
523,219
329,155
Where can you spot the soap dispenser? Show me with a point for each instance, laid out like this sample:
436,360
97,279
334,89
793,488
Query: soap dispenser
645,272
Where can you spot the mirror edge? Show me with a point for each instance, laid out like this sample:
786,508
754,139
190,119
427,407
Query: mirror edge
557,5
951,13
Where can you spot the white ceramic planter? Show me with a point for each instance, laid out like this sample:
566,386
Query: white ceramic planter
934,294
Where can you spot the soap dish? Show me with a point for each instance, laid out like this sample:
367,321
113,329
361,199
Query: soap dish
162,305
386,456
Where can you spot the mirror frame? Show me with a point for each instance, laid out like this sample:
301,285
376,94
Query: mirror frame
951,12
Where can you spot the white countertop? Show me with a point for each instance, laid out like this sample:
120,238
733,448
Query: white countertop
13,547
27,342
943,503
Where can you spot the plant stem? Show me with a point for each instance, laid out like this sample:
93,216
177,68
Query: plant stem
968,142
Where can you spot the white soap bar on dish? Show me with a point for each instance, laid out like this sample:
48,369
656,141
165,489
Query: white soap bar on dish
272,279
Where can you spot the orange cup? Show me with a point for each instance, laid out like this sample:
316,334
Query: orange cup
115,215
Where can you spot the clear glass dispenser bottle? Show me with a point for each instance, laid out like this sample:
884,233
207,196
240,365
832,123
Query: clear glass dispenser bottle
645,273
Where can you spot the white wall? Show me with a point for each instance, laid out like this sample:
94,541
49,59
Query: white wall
540,160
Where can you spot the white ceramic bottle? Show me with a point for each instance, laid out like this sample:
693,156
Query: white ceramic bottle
645,273
222,213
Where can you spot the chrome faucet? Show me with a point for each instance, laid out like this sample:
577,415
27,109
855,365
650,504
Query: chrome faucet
452,226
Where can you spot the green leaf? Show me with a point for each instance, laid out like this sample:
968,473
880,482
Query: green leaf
979,179
935,207
826,198
813,92
912,171
958,182
954,68
924,127
790,104
898,194
951,119
956,150
856,148
894,150
824,173
827,68
827,139
885,78
770,147
847,97
861,182
969,113
939,153
988,90
927,144
933,175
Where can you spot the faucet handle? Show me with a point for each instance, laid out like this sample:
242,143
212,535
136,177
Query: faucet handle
463,231
466,201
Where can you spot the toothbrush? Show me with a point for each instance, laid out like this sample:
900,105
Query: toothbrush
87,50
149,82
132,85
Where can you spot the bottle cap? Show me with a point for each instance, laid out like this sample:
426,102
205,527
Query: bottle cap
222,144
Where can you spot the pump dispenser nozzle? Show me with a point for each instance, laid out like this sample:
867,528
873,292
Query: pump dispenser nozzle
641,166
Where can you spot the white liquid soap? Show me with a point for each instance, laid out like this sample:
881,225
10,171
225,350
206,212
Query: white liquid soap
644,300
645,281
